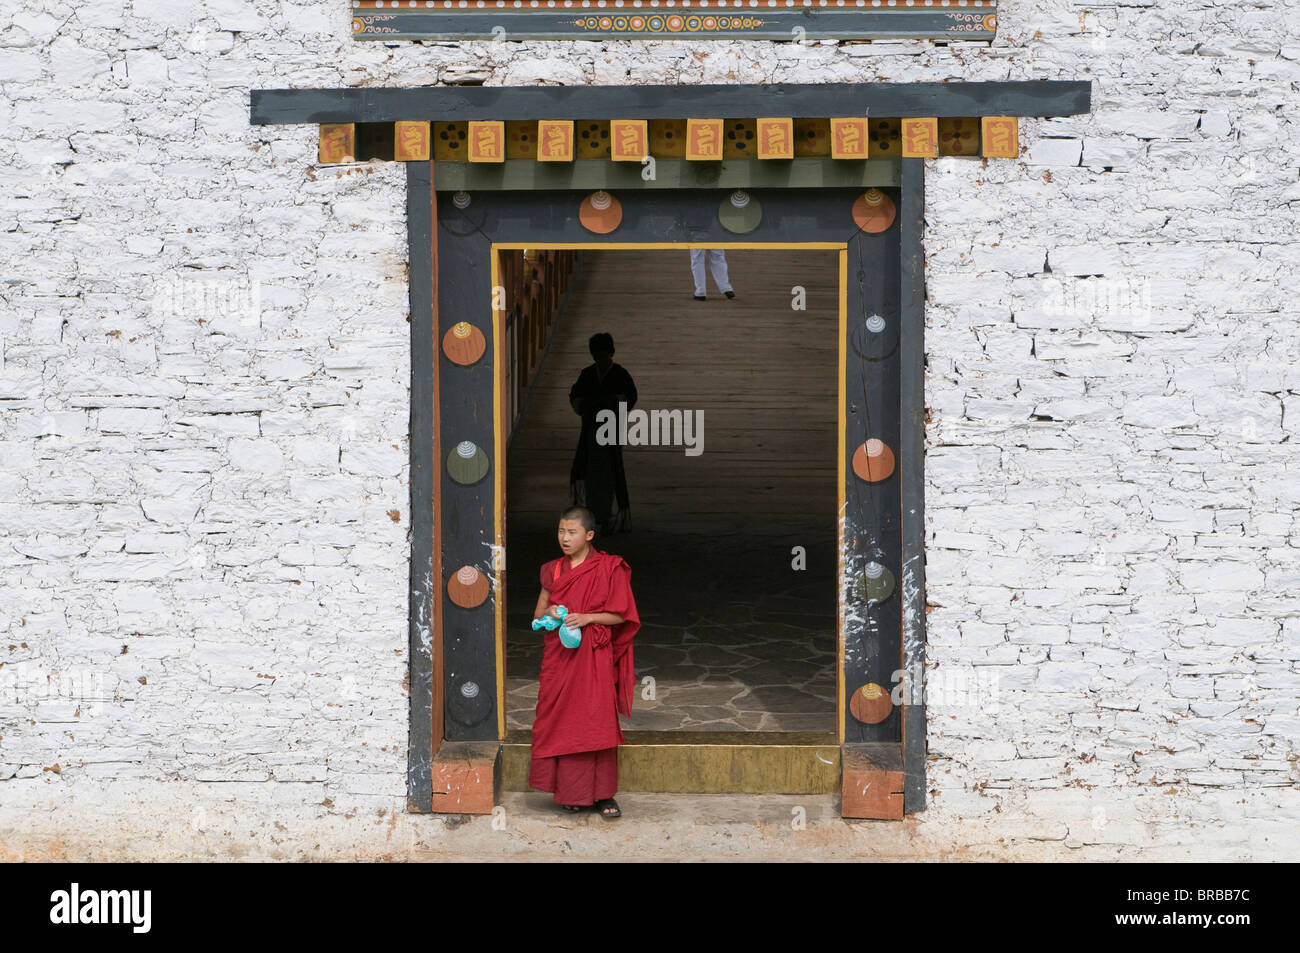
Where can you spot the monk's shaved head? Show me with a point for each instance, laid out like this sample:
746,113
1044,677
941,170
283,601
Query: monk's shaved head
583,515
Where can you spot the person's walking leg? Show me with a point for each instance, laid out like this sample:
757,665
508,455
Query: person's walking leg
718,265
697,270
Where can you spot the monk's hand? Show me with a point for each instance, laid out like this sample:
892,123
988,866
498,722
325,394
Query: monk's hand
576,620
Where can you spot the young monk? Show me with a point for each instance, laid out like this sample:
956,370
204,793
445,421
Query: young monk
582,691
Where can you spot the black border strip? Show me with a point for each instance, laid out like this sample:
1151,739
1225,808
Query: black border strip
911,461
419,237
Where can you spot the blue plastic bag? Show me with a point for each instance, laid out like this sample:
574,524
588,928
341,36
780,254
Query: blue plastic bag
569,638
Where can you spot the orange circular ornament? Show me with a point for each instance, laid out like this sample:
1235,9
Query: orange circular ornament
873,461
870,704
468,587
463,344
600,212
873,211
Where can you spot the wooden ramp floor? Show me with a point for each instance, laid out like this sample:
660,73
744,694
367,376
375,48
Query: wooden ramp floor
733,636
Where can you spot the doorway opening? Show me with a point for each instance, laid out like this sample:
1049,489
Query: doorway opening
733,538
730,732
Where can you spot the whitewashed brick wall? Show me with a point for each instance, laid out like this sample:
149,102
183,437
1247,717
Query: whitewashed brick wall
204,359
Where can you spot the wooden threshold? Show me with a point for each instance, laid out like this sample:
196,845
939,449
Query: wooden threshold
707,762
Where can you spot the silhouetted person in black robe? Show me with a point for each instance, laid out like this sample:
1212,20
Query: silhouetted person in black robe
597,479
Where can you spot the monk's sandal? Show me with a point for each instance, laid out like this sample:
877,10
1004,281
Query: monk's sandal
608,808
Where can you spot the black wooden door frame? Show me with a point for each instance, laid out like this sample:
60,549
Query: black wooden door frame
1044,98
469,518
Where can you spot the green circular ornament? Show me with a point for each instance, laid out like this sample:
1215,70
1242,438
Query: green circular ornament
740,213
875,584
467,463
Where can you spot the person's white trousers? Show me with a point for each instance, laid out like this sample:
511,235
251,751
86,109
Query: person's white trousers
717,265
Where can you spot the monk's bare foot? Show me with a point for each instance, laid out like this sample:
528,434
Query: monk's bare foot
608,808
573,808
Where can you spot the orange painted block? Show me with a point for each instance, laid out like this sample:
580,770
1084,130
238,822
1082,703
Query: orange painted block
629,140
775,138
1001,136
411,141
871,784
704,140
466,777
555,140
920,137
487,141
338,142
849,139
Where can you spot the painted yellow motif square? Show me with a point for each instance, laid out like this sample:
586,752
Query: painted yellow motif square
704,140
411,141
849,139
629,140
487,141
920,137
338,142
1001,136
555,140
775,138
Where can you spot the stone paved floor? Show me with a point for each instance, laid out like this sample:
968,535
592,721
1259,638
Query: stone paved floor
750,645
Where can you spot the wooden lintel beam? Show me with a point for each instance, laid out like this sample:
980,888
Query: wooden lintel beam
1040,98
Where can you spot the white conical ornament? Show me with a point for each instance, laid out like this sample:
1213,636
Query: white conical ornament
740,213
467,463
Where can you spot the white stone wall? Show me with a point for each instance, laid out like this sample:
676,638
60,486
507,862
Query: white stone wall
204,359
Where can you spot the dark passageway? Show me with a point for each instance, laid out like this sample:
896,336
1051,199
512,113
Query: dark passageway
734,636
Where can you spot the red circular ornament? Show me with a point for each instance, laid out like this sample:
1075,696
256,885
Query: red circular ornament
873,211
600,212
870,704
873,461
463,343
468,587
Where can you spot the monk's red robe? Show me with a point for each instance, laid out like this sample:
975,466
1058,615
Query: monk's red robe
582,691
